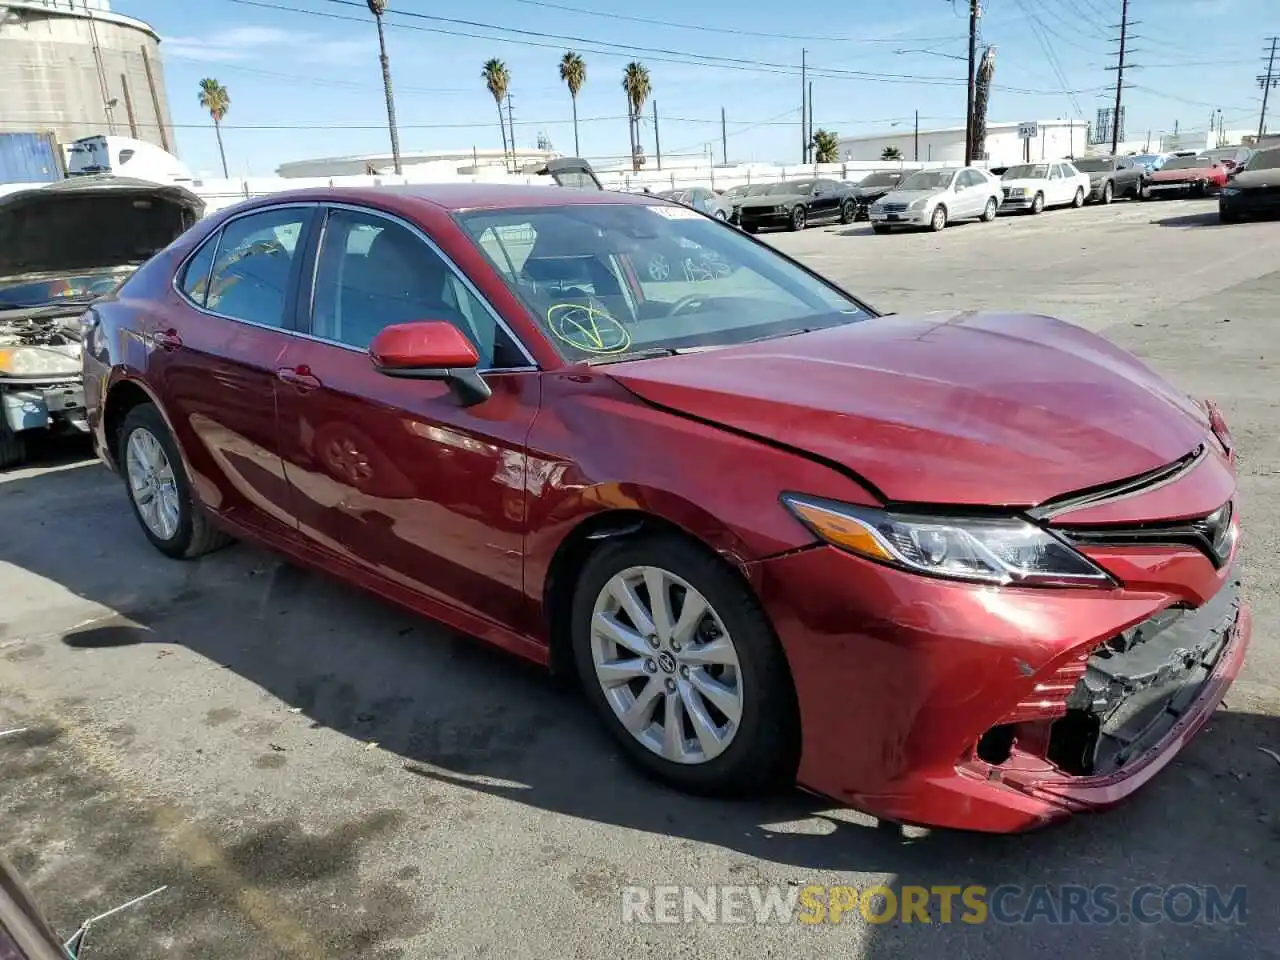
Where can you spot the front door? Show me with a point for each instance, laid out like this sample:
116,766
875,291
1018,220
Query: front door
214,354
394,476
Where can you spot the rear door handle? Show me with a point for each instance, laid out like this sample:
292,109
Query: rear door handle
167,339
300,376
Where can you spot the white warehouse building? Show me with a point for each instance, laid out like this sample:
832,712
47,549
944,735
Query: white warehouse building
1053,139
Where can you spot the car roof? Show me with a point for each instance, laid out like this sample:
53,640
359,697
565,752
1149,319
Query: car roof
456,196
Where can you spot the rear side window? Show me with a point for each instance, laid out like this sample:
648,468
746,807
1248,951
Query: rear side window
250,279
195,276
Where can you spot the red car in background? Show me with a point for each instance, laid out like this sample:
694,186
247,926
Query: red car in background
1198,176
959,569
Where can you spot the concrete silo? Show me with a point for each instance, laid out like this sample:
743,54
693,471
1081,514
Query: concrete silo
78,69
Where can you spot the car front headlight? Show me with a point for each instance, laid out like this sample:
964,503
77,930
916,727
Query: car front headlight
994,550
920,204
37,362
1017,191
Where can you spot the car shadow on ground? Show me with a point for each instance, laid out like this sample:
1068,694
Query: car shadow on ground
446,709
1187,220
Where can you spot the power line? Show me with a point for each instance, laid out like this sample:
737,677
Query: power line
733,31
1036,31
653,54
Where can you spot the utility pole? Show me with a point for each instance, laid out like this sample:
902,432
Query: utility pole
813,151
511,125
724,138
917,137
1119,69
804,106
1267,82
657,143
974,13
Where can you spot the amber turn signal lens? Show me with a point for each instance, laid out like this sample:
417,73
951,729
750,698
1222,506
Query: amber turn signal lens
841,530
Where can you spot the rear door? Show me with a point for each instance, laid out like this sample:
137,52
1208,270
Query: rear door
214,355
392,476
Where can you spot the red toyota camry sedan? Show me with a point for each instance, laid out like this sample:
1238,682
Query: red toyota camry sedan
960,569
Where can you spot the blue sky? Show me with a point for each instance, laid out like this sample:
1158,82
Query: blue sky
293,72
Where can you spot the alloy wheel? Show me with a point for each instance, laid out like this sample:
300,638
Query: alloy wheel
939,218
152,483
1107,192
667,665
798,219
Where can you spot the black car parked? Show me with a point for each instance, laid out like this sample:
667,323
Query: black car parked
1111,177
795,204
1253,190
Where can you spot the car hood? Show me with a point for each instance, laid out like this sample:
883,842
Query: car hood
1186,173
772,200
87,223
944,408
1026,183
911,196
1254,179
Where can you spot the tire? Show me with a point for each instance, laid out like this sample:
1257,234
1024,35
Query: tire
193,534
1078,200
1108,192
720,215
848,212
13,447
938,221
799,219
762,749
989,211
879,228
1137,190
1037,205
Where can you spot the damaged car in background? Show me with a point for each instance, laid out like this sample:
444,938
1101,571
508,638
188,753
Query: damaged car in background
63,245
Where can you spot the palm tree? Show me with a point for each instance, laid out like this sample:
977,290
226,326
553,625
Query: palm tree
890,153
573,71
981,98
498,80
635,81
826,146
378,8
215,98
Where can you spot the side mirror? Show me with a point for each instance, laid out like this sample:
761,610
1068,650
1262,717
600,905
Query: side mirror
431,350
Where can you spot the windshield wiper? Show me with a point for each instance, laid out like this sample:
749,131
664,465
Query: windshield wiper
647,353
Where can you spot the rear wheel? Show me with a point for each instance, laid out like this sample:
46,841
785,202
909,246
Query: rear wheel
159,490
939,219
680,662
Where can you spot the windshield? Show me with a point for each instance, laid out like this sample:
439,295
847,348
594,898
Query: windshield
789,187
880,180
45,292
1094,166
928,180
1027,171
1264,160
1187,163
608,281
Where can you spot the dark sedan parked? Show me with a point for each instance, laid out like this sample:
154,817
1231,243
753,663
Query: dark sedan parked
874,186
1253,191
795,204
1111,177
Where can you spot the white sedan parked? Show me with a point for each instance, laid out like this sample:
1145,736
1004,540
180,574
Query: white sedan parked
934,198
1034,186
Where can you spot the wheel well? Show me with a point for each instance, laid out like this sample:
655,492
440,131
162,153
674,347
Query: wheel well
124,396
572,555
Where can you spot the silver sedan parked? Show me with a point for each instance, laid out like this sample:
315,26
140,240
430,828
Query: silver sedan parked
934,198
701,199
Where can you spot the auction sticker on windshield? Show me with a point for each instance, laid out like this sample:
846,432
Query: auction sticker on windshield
588,329
677,213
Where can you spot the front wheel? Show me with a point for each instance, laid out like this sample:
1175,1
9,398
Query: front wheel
1078,200
13,447
1037,205
159,490
799,219
989,211
848,212
1107,192
679,660
939,219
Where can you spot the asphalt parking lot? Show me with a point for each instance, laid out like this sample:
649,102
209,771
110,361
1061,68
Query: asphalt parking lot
317,775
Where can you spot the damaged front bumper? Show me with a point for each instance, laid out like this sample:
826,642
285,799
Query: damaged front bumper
55,404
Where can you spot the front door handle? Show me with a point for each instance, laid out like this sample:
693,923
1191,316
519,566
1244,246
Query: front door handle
167,339
300,376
